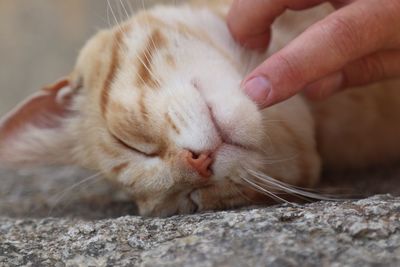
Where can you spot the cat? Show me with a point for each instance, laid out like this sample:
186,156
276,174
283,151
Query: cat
156,105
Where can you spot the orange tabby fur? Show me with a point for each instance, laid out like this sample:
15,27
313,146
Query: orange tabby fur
153,95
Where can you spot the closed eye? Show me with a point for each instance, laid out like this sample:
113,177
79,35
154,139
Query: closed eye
126,146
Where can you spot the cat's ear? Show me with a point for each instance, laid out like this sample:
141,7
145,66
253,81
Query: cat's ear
37,131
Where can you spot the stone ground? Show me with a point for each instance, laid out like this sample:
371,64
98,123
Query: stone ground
56,217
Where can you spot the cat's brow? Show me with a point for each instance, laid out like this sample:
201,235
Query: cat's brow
146,77
171,123
142,106
119,168
115,61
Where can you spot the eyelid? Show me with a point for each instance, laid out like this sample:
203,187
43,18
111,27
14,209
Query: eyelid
125,145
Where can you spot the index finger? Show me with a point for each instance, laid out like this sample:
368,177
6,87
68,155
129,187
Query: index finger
344,36
250,20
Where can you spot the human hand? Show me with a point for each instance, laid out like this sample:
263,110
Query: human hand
357,44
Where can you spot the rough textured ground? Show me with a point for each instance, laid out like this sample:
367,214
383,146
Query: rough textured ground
362,233
49,217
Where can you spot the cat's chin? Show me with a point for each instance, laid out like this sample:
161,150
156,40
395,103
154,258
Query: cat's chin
181,203
196,199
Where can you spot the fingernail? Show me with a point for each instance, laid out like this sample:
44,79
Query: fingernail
258,89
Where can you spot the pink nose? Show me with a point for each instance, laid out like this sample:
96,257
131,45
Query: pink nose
200,163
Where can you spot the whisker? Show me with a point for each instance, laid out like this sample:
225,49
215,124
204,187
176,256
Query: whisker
272,121
272,181
265,191
124,8
119,11
237,189
268,180
154,77
282,190
108,14
66,191
154,47
149,70
131,9
118,24
270,161
122,48
113,13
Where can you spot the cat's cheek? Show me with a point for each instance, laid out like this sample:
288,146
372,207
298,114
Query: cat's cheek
231,162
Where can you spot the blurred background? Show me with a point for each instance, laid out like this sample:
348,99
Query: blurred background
40,39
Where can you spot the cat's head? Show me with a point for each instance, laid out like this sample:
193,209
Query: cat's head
155,104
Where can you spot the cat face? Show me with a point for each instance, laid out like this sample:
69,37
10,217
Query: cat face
156,105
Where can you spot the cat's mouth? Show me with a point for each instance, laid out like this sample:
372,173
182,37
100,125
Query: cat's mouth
224,137
205,161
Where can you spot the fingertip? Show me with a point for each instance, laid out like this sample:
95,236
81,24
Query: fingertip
244,21
258,88
258,42
230,23
234,24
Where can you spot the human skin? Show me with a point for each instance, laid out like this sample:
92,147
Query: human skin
359,42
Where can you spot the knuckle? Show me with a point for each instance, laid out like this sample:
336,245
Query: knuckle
232,28
394,7
290,70
238,31
365,71
393,11
374,68
342,35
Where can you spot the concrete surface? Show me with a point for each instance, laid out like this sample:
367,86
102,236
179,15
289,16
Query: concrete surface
362,233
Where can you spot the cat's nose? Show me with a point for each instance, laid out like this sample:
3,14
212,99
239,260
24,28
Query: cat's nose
200,162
